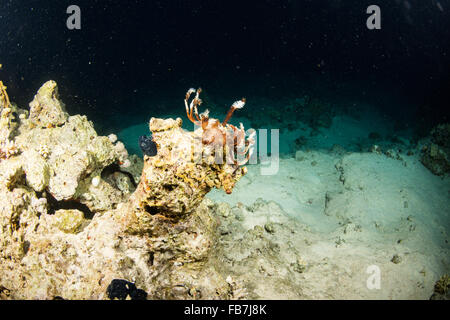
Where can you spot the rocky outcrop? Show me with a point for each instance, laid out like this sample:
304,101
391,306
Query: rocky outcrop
46,110
175,181
436,154
56,174
72,221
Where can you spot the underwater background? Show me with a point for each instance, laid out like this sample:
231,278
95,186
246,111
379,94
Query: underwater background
135,59
362,114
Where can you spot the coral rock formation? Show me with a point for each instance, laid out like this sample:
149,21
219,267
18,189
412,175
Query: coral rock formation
46,110
47,163
70,225
176,180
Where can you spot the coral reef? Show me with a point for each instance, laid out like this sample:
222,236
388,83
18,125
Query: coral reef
169,203
73,222
66,155
47,187
176,180
436,154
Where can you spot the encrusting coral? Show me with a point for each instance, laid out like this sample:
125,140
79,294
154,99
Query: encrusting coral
70,222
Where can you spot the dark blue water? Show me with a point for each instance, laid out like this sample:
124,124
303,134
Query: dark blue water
135,59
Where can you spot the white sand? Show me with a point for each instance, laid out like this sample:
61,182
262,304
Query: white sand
356,210
376,207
